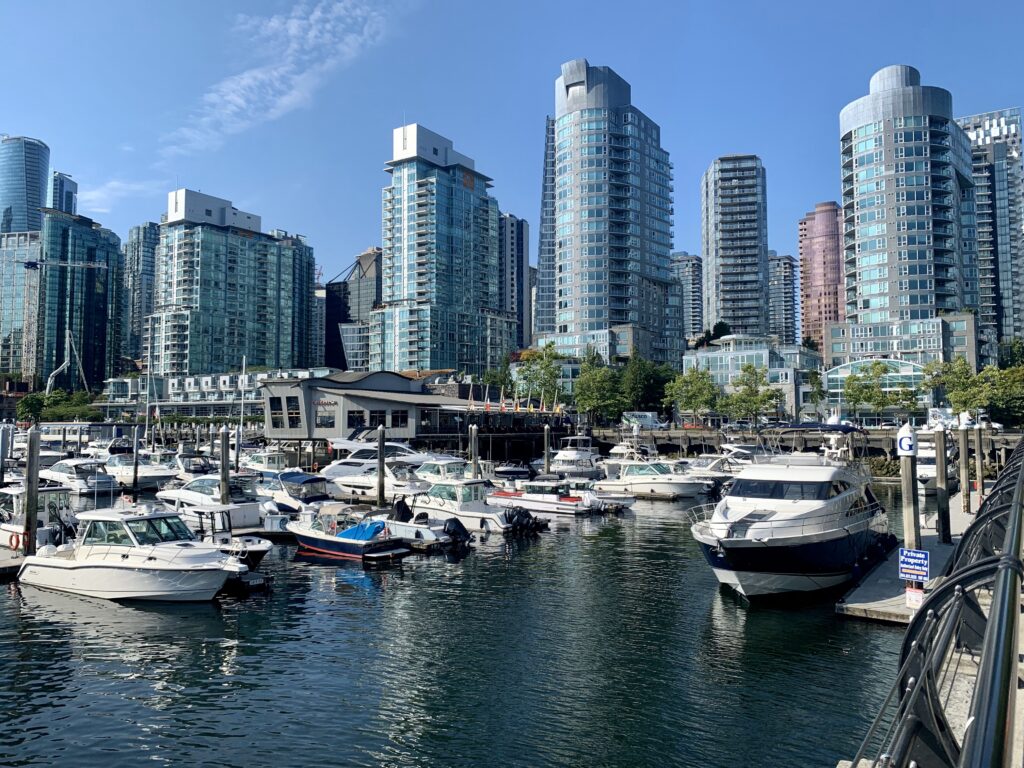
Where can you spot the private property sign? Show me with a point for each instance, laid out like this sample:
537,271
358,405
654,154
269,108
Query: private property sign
914,565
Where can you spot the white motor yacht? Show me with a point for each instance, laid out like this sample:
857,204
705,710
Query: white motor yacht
81,476
345,467
265,461
392,450
294,491
55,517
651,480
927,468
152,474
212,523
247,505
399,480
798,524
104,449
549,499
440,470
193,466
467,501
577,457
133,555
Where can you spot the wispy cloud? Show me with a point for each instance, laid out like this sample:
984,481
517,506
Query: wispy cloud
303,46
101,199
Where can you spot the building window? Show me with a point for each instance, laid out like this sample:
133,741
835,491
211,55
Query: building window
294,414
399,419
325,416
276,413
356,419
378,419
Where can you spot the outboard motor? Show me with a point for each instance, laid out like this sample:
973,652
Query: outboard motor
456,531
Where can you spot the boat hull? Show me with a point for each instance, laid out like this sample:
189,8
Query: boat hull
335,548
654,490
123,583
756,569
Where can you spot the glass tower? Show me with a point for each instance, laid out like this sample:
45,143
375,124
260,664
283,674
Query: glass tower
80,297
822,296
688,272
782,292
908,209
224,290
999,181
19,300
349,302
63,193
514,293
139,274
606,224
734,233
24,177
440,263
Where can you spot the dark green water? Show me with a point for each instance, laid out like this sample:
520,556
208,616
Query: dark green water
606,643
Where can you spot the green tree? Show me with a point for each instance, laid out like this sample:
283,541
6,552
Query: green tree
540,373
597,391
816,390
693,391
501,377
856,392
1008,401
30,407
1011,355
964,389
752,395
643,384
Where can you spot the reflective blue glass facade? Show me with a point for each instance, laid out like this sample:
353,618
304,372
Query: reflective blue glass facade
139,276
19,300
24,178
81,294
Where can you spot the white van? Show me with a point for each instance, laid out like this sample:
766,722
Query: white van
643,419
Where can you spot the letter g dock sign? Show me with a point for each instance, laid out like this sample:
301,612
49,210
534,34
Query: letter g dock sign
906,441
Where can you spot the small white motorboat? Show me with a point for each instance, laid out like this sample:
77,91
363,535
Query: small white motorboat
152,474
577,457
132,555
247,505
546,498
399,480
467,501
651,480
212,524
81,476
440,470
420,531
55,518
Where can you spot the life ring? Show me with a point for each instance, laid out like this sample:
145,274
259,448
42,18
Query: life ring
14,542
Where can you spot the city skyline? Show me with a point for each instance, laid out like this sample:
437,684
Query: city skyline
264,152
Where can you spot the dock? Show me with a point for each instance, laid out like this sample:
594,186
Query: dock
881,595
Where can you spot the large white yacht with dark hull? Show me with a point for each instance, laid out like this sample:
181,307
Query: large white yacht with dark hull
800,523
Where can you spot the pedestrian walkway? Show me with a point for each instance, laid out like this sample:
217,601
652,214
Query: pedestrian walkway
881,595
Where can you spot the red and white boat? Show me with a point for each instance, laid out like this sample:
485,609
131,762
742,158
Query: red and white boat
547,499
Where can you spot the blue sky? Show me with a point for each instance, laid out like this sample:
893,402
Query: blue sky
286,108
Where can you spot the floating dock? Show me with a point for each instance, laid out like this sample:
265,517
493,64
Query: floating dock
881,595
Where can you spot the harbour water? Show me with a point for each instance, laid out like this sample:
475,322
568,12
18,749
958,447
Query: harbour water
606,642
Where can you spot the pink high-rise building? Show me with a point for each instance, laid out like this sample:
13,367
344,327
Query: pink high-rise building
822,295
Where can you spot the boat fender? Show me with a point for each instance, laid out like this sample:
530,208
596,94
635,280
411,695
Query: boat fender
14,541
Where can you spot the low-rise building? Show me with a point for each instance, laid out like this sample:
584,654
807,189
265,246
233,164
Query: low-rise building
939,339
787,365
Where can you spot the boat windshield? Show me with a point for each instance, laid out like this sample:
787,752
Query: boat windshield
471,492
792,490
243,489
159,529
88,470
310,490
197,465
645,469
446,492
926,461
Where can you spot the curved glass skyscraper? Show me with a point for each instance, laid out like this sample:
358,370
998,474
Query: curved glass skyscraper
24,173
910,251
606,224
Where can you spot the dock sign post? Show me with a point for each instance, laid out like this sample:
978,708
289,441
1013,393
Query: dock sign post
914,565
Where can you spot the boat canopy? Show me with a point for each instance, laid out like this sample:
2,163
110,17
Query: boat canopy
363,531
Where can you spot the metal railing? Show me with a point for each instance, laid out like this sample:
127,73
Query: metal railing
953,702
758,524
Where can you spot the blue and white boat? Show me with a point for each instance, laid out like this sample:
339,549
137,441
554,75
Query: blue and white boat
799,523
329,535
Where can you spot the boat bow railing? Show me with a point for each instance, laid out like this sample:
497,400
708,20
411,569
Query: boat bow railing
758,524
953,702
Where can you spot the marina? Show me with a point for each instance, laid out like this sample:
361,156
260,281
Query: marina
372,605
